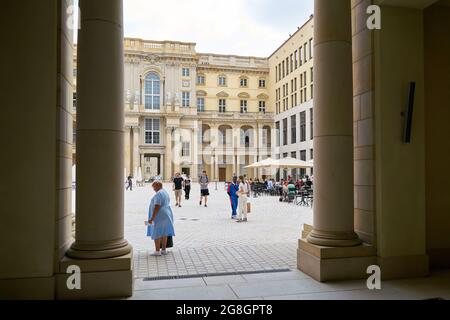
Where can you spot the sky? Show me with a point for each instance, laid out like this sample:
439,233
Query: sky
241,27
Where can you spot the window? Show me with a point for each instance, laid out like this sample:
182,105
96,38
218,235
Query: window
279,71
246,137
285,131
277,128
262,83
276,73
296,59
311,154
287,65
244,82
74,97
186,99
222,105
310,48
294,154
152,92
244,104
293,129
305,49
200,79
311,123
312,75
185,149
300,50
262,106
291,60
312,91
152,131
201,104
302,126
303,155
186,72
222,81
222,136
284,73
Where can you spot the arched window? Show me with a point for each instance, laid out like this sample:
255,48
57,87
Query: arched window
152,93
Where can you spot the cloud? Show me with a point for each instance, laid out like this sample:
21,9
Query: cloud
241,27
244,27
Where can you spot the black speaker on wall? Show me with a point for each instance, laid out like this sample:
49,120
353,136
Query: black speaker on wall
409,113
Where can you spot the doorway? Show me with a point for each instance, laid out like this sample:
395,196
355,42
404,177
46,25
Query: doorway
222,174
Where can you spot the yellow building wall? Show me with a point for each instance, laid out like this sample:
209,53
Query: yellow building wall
400,168
298,39
437,86
233,89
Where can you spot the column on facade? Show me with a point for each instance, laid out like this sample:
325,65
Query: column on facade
136,156
142,165
195,153
168,164
333,126
161,166
176,153
238,164
127,153
100,130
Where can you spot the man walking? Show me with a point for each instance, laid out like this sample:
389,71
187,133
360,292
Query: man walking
204,191
187,187
130,183
178,188
233,187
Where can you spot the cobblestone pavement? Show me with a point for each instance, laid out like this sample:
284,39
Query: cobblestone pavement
207,240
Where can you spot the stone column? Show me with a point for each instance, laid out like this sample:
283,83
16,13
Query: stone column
136,143
127,152
100,131
238,165
161,166
216,167
168,165
333,126
176,153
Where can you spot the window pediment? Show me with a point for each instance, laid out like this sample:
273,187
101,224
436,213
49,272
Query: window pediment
201,93
244,95
223,94
263,96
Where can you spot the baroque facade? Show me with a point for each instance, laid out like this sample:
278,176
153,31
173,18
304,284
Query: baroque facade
188,112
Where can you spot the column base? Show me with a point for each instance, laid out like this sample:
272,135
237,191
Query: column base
85,251
335,263
334,239
100,278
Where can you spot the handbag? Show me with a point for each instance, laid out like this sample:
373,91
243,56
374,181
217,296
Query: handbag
169,243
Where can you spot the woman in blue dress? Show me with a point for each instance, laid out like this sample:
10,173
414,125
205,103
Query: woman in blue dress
160,223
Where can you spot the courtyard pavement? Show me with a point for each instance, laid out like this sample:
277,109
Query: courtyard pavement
208,242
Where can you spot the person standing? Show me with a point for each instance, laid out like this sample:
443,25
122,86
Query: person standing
204,191
160,219
187,187
178,188
243,194
130,183
233,188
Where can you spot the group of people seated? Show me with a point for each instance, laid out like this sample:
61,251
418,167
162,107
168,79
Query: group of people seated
286,188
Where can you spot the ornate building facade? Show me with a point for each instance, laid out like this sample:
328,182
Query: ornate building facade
188,112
